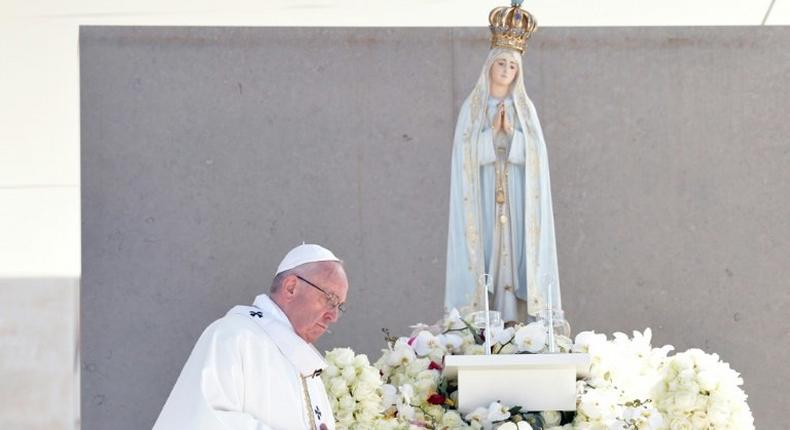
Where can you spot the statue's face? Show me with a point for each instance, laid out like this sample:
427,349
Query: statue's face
503,71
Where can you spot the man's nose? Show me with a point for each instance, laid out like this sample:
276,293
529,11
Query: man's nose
332,315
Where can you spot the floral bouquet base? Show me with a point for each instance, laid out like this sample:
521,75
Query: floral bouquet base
630,384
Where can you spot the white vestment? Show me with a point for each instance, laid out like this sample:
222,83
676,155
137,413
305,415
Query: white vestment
249,371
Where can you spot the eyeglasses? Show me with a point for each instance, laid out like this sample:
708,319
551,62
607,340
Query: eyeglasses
332,298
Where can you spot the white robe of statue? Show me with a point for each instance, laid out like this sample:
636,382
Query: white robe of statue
249,371
501,220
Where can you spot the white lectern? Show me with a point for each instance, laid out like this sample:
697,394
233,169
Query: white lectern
537,382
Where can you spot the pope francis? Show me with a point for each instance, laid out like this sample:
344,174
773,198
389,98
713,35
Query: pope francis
255,368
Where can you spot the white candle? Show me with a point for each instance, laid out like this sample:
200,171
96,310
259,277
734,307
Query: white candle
550,317
487,332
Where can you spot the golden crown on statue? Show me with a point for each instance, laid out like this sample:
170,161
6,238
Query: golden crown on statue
511,26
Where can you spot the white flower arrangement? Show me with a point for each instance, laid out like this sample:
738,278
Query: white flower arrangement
634,386
630,384
616,392
354,388
699,391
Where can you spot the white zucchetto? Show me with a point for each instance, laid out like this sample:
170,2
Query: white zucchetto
303,254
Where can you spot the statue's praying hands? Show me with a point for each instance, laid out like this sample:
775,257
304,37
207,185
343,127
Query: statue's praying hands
501,121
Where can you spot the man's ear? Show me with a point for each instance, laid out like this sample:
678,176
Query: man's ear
289,287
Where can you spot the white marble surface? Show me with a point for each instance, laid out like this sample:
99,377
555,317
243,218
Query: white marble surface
40,231
38,354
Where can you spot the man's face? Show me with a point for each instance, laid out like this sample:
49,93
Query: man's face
312,311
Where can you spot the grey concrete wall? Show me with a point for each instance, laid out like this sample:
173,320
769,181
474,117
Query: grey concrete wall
207,153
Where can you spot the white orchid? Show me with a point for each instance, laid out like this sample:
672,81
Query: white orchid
479,414
451,341
407,391
401,355
531,337
453,321
502,336
389,395
497,412
425,343
586,339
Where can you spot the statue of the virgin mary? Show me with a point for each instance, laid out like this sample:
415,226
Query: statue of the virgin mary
501,219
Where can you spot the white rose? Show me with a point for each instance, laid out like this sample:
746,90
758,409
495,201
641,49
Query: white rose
330,371
685,400
338,387
369,375
452,419
719,412
342,357
361,361
349,374
346,402
344,418
551,418
708,380
682,362
699,420
363,390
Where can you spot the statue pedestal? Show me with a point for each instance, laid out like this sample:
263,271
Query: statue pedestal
537,382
